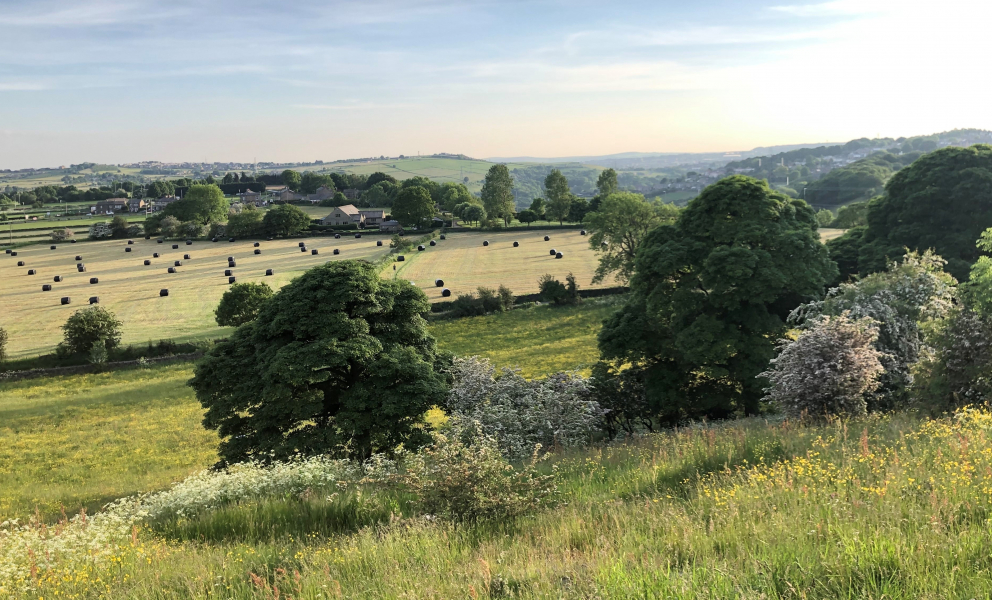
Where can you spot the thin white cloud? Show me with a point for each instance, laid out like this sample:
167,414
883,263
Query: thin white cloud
835,8
87,14
22,86
358,106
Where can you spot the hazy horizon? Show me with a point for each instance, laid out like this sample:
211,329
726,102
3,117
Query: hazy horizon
120,82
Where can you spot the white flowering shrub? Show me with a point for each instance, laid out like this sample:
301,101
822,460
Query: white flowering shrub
957,369
556,412
829,370
901,301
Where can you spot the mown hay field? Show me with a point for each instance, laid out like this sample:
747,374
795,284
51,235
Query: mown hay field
33,317
464,264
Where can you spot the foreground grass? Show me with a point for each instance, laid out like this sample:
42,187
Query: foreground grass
882,508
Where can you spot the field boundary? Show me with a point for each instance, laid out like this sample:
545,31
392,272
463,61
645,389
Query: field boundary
82,369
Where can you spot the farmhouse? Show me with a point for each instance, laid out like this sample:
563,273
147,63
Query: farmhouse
161,203
288,195
112,205
391,227
137,205
250,197
344,215
322,193
373,218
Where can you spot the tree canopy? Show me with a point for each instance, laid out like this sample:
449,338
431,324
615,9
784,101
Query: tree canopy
338,361
497,193
414,207
202,204
617,229
285,220
709,298
241,303
559,196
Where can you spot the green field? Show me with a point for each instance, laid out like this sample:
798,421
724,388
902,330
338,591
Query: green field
129,289
82,440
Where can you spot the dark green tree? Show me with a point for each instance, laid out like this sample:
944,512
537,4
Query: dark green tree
241,303
378,177
414,207
607,182
578,210
247,223
538,207
292,179
339,361
202,204
526,216
710,296
285,220
118,226
497,193
559,196
90,326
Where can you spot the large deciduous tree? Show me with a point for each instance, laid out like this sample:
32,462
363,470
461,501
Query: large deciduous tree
559,196
202,204
497,193
291,179
617,229
339,361
285,220
606,183
414,207
241,303
709,297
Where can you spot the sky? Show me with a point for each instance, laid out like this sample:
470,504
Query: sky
180,80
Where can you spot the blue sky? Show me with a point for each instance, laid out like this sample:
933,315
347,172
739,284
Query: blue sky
95,80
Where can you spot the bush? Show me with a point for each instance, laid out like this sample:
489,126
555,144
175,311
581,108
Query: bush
246,224
471,481
485,301
190,230
559,293
134,231
241,303
217,230
556,412
87,327
169,226
285,220
957,369
829,370
61,235
118,226
100,231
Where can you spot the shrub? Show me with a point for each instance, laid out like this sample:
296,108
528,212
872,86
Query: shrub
118,226
338,361
89,326
61,235
169,226
217,230
484,301
98,353
956,371
241,303
829,370
620,395
556,412
471,481
100,231
247,223
134,231
284,220
190,230
559,293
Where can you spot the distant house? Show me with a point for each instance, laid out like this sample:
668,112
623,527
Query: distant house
250,197
112,205
137,205
344,215
352,194
160,203
373,218
322,193
288,195
391,227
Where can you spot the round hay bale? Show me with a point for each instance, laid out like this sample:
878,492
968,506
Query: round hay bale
378,243
269,239
230,259
268,272
336,251
439,283
162,293
256,244
445,293
583,232
227,273
303,248
94,299
313,252
433,243
31,271
443,237
51,247
358,235
337,236
232,279
515,244
214,240
147,262
231,240
175,246
421,248
172,269
20,263
232,264
400,258
128,249
148,237
66,300
7,251
78,258
185,256
257,251
155,255
130,242
81,268
189,242
72,241
57,278
547,238
161,241
553,252
178,263
302,244
47,287
94,280
559,255
13,253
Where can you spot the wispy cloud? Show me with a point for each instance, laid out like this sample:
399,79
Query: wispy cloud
22,86
357,106
835,8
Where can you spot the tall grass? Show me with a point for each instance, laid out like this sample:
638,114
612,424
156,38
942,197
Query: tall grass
890,507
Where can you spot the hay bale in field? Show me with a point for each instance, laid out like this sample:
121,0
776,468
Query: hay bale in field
269,239
148,237
302,244
378,243
445,293
155,255
553,252
400,258
81,268
20,263
147,262
31,271
604,244
128,249
175,246
232,279
57,279
303,249
485,242
232,264
257,244
336,251
515,244
13,253
8,251
547,238
189,242
47,287
172,269
268,272
162,293
130,242
72,241
178,263
313,252
439,283
583,232
78,258
433,243
358,235
421,248
227,272
231,240
94,299
51,247
559,255
443,237
161,241
66,300
94,280
213,240
337,236
230,259
257,251
185,256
